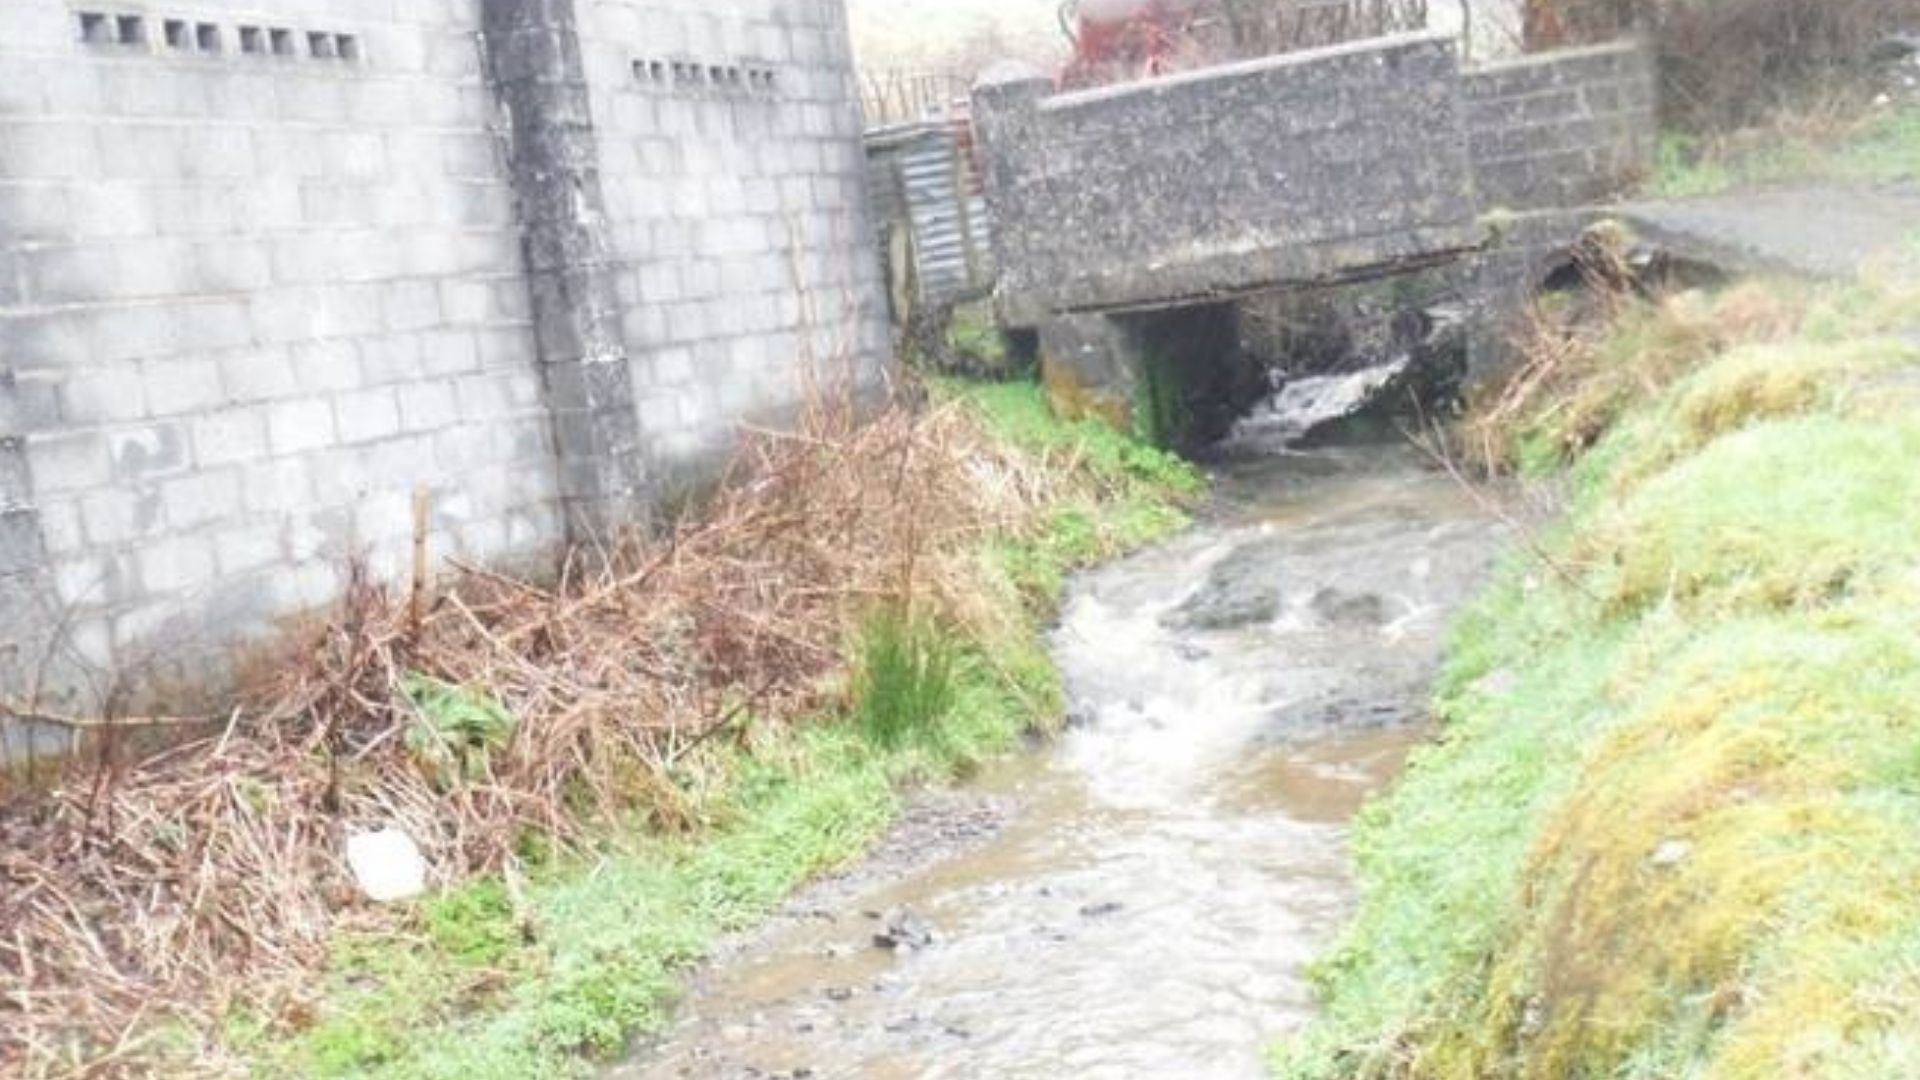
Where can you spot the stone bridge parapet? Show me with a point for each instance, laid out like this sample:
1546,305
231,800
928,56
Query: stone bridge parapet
1296,168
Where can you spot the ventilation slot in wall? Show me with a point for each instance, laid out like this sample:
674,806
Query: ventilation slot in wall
183,36
96,29
747,79
100,28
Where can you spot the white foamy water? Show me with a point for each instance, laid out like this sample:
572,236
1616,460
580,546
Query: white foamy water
1302,405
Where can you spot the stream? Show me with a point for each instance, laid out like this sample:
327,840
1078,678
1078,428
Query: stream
1139,898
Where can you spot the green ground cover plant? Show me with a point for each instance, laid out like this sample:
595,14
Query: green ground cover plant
1668,824
1873,145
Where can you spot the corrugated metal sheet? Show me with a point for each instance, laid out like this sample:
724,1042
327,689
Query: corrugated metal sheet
924,182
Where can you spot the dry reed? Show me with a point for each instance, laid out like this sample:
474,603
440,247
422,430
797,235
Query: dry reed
216,867
1586,354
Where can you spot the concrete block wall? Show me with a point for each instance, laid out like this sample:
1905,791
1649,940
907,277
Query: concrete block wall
1288,169
264,273
257,298
737,218
1562,128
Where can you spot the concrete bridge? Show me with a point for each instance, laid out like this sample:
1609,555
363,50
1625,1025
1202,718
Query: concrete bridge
1116,206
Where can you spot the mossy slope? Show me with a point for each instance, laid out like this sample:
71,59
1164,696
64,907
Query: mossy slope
1672,826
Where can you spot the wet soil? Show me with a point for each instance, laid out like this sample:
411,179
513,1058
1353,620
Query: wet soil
1140,898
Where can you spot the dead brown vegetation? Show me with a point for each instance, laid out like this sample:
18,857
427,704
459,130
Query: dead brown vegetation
1728,63
162,889
1587,354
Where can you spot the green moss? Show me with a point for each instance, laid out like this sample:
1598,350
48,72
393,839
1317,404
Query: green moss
544,980
1668,829
1161,415
974,335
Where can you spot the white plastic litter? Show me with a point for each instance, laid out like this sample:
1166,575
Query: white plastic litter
387,865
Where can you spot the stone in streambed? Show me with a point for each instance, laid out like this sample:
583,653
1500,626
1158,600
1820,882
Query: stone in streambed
904,931
1242,589
1337,607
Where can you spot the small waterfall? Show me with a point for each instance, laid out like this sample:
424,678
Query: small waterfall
1298,407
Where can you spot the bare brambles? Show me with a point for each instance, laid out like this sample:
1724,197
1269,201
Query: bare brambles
509,710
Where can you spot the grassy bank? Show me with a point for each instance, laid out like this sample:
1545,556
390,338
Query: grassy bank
553,965
1671,826
1877,145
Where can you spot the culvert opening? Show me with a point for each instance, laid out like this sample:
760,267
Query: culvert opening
1191,382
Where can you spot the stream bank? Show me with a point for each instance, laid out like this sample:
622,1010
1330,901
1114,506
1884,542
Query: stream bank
1670,830
1140,898
974,508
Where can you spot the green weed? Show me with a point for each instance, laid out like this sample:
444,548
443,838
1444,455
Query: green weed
457,727
1018,413
473,925
903,681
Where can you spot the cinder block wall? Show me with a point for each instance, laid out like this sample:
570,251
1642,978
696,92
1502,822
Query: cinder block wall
734,182
1562,128
258,295
263,274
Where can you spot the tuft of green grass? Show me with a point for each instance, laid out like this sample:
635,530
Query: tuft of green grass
473,925
904,678
1667,829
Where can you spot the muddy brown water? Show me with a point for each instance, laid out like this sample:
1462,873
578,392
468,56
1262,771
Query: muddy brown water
1140,898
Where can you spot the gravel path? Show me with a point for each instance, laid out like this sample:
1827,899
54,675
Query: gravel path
1816,231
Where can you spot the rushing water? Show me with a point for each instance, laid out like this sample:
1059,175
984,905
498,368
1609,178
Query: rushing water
1138,900
1302,404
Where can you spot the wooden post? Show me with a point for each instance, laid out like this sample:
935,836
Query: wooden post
422,520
